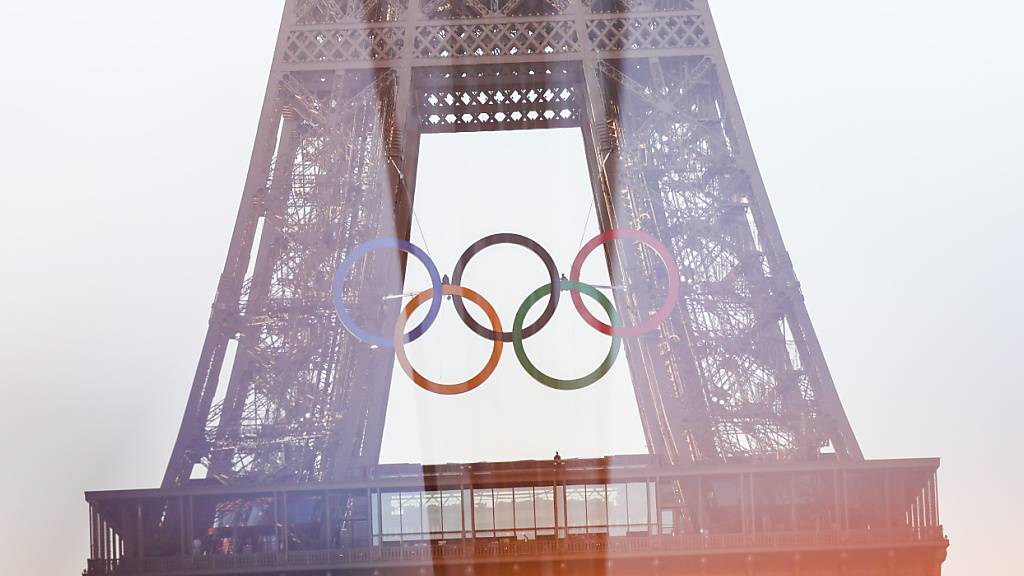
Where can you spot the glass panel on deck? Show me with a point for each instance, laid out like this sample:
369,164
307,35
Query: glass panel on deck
432,512
576,507
504,512
525,522
544,507
467,512
773,510
636,497
722,505
412,515
483,509
391,516
618,510
451,515
597,508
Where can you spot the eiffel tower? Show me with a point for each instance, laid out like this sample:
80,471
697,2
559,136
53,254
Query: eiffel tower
753,467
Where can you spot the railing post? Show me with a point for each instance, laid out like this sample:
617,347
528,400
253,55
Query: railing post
744,527
700,505
190,535
846,500
138,531
554,499
284,522
327,528
792,501
183,546
92,531
933,494
753,503
277,524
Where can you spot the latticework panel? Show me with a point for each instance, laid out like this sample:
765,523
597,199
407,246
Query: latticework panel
468,9
499,109
648,33
313,12
728,355
626,6
465,9
344,44
496,39
499,99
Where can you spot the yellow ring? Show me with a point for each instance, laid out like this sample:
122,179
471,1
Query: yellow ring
422,381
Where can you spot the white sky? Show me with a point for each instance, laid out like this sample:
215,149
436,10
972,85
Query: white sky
544,196
888,134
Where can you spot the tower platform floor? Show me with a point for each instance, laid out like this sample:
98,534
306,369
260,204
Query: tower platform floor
615,515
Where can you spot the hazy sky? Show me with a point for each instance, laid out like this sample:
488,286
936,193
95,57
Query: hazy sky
887,134
510,416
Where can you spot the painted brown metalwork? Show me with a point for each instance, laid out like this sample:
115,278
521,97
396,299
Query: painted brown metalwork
733,377
598,516
734,374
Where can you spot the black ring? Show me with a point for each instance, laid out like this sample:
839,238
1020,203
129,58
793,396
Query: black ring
507,238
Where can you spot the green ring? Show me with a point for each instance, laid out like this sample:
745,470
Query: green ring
517,337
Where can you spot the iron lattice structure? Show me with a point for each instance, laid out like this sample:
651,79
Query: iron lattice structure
735,374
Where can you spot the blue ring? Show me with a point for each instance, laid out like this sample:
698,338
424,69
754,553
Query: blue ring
346,266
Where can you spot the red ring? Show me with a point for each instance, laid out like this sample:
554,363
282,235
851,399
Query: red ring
666,258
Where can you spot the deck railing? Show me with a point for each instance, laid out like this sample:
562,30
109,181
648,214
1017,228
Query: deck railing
578,547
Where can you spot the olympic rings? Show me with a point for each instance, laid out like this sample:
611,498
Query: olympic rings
670,298
530,245
549,381
419,379
346,266
495,334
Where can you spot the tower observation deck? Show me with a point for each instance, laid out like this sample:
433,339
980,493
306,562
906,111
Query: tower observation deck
617,515
752,465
